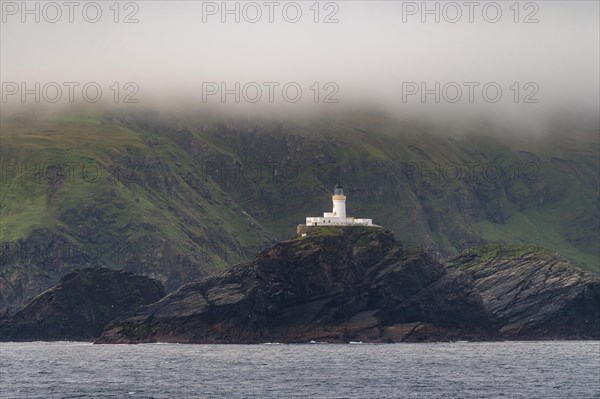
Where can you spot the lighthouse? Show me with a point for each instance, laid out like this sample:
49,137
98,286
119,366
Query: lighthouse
339,202
338,215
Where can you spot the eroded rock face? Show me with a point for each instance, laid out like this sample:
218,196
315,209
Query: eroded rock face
334,285
80,306
532,293
53,256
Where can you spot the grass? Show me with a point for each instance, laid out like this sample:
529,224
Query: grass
369,154
155,204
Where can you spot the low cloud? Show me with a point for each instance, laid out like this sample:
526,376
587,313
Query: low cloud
435,61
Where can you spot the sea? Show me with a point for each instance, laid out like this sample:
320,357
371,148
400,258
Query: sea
550,369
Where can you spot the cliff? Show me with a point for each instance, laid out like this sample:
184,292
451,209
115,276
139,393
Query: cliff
80,306
335,284
180,196
532,293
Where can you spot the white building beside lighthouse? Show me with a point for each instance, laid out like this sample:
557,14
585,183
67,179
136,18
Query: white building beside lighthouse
338,216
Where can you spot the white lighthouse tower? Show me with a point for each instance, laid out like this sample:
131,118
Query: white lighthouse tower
338,216
339,202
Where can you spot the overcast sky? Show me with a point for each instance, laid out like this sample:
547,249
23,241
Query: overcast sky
376,52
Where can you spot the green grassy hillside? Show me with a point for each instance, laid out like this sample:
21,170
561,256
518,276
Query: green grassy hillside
81,191
434,189
179,196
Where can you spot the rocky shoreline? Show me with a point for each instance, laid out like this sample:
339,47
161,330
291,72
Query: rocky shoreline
354,284
80,306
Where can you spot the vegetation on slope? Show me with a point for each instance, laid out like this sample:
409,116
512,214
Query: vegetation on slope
176,197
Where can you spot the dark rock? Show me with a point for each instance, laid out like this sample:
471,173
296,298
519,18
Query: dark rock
53,255
532,293
336,284
80,306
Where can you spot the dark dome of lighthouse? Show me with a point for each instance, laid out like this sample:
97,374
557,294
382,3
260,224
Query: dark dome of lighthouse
338,189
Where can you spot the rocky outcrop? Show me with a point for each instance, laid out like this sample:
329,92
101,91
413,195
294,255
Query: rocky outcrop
532,293
80,306
335,284
32,265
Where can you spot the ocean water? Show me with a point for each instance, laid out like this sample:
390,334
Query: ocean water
433,370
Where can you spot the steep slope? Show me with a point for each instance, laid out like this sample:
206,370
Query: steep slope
532,292
447,190
180,196
80,306
79,192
